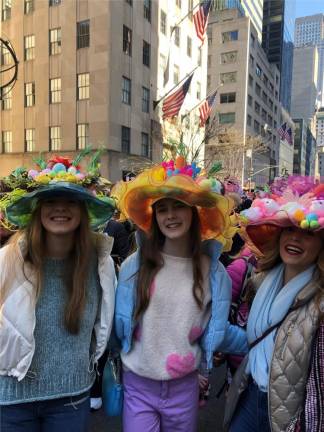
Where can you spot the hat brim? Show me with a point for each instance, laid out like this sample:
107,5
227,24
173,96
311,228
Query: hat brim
137,197
99,210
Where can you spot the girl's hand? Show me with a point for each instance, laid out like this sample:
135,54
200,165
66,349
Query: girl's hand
203,382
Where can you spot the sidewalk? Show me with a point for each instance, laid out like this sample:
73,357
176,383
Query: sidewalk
210,417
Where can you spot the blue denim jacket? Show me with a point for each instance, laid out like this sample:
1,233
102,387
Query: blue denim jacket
220,284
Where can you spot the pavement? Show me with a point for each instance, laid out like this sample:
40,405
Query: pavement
210,416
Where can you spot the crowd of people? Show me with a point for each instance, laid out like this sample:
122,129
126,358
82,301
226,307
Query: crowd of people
177,272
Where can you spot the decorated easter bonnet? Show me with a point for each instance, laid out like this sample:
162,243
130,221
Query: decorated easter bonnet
293,201
59,177
183,182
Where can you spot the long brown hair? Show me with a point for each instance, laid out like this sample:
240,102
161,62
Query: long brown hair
75,281
151,261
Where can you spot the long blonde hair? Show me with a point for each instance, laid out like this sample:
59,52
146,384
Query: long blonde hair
33,259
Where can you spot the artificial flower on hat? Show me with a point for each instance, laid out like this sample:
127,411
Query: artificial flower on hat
181,181
60,176
294,201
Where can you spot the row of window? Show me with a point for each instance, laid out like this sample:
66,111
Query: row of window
128,46
55,43
228,36
55,93
82,136
262,94
126,96
259,128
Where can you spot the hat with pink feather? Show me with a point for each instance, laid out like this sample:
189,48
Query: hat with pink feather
293,201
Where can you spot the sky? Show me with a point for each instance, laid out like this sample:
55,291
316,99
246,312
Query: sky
309,7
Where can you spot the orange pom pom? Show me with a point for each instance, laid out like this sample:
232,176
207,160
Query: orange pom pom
180,162
299,215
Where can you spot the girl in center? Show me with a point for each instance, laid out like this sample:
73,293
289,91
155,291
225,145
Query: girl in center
173,295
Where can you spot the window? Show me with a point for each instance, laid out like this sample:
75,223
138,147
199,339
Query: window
54,2
28,6
228,77
230,36
198,91
55,91
130,2
163,22
189,46
264,97
6,58
126,91
29,94
55,41
256,126
29,47
227,118
55,138
83,81
6,10
252,41
176,74
6,141
251,60
227,97
147,10
257,89
199,56
29,140
208,81
83,34
145,145
250,81
82,135
229,57
264,114
257,107
127,40
270,120
258,70
250,100
6,103
177,36
265,80
190,8
146,53
209,60
270,103
249,120
145,99
125,139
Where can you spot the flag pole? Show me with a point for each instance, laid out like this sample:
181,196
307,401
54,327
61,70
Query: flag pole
156,103
200,102
182,19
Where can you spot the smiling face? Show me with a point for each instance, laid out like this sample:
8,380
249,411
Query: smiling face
60,216
173,218
300,248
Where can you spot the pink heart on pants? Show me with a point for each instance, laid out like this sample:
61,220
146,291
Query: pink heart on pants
179,366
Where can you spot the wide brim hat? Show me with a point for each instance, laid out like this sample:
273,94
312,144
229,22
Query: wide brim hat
264,221
100,209
135,200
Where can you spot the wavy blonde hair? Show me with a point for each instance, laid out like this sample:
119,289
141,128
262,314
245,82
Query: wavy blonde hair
32,265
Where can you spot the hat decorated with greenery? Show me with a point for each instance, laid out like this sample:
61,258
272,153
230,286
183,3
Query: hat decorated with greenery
293,201
58,177
184,182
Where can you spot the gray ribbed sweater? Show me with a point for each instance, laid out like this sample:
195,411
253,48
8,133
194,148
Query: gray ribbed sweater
61,363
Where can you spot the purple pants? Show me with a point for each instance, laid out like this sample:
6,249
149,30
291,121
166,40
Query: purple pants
160,406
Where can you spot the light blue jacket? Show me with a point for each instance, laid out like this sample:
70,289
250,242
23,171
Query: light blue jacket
220,284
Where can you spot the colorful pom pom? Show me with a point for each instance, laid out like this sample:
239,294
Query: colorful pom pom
299,215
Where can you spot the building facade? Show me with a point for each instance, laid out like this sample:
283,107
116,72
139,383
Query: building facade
277,42
248,100
89,71
309,30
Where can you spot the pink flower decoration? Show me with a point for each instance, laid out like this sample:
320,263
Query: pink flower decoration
178,366
195,333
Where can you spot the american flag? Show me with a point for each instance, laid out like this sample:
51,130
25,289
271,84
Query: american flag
201,18
205,108
172,104
282,131
288,136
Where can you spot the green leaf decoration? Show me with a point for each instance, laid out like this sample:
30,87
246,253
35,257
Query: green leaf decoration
83,153
216,167
40,161
93,166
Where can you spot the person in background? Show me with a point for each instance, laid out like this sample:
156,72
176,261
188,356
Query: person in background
57,292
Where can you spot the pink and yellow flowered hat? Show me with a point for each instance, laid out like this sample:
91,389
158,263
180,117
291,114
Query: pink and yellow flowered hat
300,203
183,182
